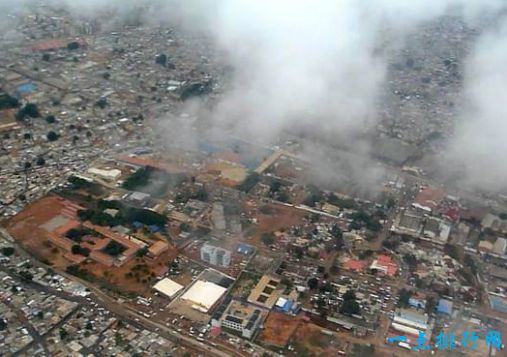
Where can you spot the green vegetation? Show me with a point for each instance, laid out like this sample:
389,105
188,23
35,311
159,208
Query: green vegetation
76,234
29,110
315,196
50,119
63,333
97,217
362,219
249,182
114,248
185,227
141,252
8,251
52,136
196,89
431,304
74,45
363,350
350,306
80,273
267,238
161,59
345,203
404,296
152,181
8,102
452,251
77,249
411,261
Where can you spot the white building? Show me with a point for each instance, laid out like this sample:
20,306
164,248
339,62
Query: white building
215,255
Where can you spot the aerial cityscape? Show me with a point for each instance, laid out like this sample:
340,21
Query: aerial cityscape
270,178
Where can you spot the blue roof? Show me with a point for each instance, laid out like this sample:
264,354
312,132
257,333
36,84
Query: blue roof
498,304
444,306
245,249
153,228
26,87
413,302
137,224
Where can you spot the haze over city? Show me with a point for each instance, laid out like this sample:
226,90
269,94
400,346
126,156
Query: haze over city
238,178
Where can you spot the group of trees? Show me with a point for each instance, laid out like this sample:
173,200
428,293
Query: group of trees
77,249
349,305
127,215
362,219
315,195
8,251
276,192
267,238
152,181
8,102
28,110
345,203
249,182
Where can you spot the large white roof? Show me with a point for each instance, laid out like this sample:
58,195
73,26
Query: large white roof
204,294
168,287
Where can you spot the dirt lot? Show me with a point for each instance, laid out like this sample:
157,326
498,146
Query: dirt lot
277,218
142,277
310,341
278,329
26,227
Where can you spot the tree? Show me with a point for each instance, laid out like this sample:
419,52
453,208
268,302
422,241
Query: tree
161,59
8,251
184,227
141,252
26,275
350,306
431,303
404,296
313,283
452,251
503,216
40,161
72,46
52,136
8,102
411,261
76,249
50,119
46,57
63,333
267,238
27,136
249,182
29,110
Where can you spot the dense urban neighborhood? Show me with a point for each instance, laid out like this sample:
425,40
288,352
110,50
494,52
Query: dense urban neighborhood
127,231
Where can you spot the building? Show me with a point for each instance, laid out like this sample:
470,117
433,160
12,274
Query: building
245,249
384,265
444,307
203,295
494,223
241,317
408,222
168,287
437,230
215,255
158,248
111,174
500,246
267,292
140,199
